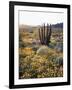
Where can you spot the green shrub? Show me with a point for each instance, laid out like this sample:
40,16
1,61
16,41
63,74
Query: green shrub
37,66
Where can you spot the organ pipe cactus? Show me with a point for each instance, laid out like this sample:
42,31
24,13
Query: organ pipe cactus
45,34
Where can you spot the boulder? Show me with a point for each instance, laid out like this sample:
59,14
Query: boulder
43,50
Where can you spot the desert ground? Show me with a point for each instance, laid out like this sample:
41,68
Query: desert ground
38,60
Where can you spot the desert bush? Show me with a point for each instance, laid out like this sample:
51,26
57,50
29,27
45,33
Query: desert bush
22,44
52,45
37,66
40,61
35,47
59,46
59,61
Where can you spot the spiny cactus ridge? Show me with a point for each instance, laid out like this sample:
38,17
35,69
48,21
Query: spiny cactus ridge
45,34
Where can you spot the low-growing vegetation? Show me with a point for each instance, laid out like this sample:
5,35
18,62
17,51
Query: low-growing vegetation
37,60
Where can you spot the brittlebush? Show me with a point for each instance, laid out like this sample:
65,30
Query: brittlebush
36,66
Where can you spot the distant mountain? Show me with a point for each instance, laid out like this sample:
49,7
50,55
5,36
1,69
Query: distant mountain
58,25
25,28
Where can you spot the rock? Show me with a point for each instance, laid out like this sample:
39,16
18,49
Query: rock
43,50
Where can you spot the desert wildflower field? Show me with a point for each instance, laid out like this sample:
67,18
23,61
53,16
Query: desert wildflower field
40,51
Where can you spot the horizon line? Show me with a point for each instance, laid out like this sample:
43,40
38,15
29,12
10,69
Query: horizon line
40,24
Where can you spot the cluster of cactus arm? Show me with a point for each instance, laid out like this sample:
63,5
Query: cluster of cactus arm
45,34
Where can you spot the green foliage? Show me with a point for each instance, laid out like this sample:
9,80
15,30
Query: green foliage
37,60
52,44
40,66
